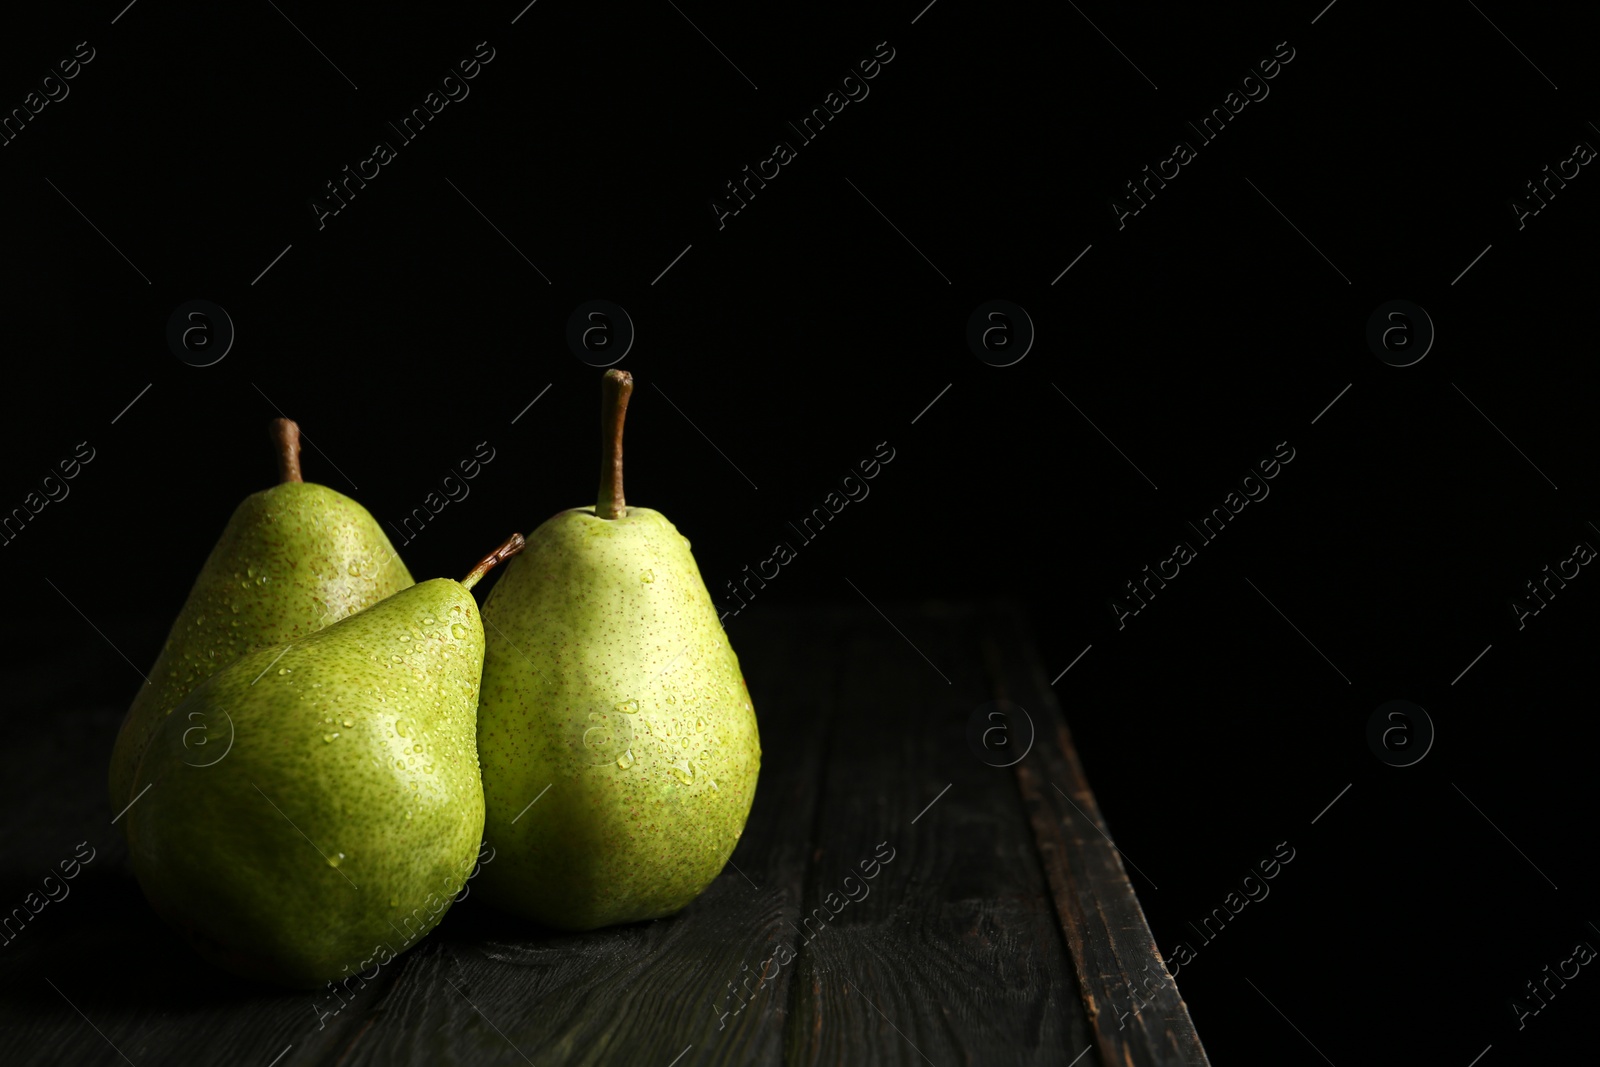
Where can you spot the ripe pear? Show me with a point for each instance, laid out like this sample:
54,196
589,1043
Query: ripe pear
618,743
313,807
292,559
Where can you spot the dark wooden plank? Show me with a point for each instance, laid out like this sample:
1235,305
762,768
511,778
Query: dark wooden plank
1003,930
953,955
1136,1010
484,989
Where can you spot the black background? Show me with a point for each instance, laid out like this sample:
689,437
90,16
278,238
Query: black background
808,330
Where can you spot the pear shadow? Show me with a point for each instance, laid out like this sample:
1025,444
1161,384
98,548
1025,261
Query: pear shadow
475,920
478,924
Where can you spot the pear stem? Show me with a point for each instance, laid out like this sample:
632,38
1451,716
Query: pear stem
512,546
615,388
285,434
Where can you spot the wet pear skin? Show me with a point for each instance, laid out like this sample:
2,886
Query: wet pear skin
609,679
292,755
292,559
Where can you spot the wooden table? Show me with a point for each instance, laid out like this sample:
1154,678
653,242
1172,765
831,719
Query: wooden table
1003,929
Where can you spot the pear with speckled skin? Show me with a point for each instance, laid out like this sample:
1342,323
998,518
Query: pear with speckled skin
292,559
313,808
618,744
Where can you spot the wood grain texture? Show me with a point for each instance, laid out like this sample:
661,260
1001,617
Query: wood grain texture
1134,1006
1003,930
954,954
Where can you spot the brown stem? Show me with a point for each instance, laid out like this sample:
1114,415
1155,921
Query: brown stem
615,388
512,546
285,435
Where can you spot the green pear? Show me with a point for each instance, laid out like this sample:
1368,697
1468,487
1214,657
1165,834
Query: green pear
311,809
618,744
292,559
